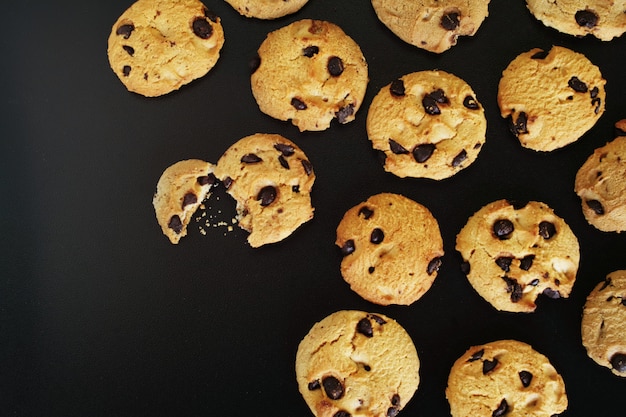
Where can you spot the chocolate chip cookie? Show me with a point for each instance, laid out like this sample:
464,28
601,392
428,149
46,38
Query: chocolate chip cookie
266,9
354,363
180,190
157,46
271,179
427,124
514,252
392,249
505,378
311,73
433,25
551,98
601,185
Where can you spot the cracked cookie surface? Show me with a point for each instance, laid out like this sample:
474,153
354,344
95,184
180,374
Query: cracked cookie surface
266,9
271,179
354,363
428,124
512,253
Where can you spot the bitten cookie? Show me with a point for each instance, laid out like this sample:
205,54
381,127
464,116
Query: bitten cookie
271,180
505,378
603,19
391,247
266,9
180,190
515,252
601,185
310,72
157,46
551,97
428,124
433,25
353,363
603,325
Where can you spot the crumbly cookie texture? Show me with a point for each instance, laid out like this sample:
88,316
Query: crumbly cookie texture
428,124
354,363
266,9
505,378
271,180
603,325
514,252
180,191
157,46
551,98
603,19
392,249
601,185
311,73
433,25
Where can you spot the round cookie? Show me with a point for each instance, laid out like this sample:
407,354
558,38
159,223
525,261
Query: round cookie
601,187
266,9
353,363
551,97
157,46
603,325
505,377
428,124
513,253
433,25
180,190
271,180
603,19
310,72
391,247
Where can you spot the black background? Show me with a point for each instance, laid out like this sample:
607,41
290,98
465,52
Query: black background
101,316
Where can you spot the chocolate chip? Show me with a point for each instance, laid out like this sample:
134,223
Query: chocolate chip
527,262
422,153
332,387
503,228
433,266
308,167
430,106
471,103
348,247
514,288
267,195
392,412
295,188
377,236
129,49
395,400
598,103
298,104
458,160
526,377
540,55
207,179
618,362
254,64
250,158
366,212
593,93
202,28
342,413
228,181
465,267
175,224
439,96
371,269
335,66
126,70
586,18
577,85
364,326
125,30
344,113
189,198
547,229
314,385
285,149
476,355
596,206
489,366
397,88
502,409
309,51
450,21
396,148
283,162
520,125
504,262
378,319
550,293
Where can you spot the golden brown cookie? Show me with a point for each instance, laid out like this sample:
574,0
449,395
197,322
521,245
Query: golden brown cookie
266,9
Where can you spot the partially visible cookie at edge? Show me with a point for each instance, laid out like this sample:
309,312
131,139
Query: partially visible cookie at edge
157,46
603,326
601,184
551,98
433,25
271,180
266,9
180,191
505,377
354,363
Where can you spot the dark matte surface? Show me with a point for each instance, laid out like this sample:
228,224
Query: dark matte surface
101,316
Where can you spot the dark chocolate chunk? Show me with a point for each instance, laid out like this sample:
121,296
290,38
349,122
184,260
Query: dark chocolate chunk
489,366
618,362
520,125
593,93
476,355
342,413
396,148
503,228
596,206
395,400
309,51
526,377
471,103
267,195
504,262
228,181
547,229
308,167
202,28
364,326
283,162
371,269
550,293
251,158
397,88
450,21
285,149
129,49
298,104
335,66
377,236
502,409
586,18
458,160
577,85
433,266
430,106
126,70
392,412
125,30
366,212
295,188
207,179
313,385
527,262
348,247
254,64
439,96
344,113
189,198
332,387
514,288
175,224
422,153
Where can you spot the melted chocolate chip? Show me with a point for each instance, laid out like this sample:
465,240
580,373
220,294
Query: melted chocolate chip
125,30
267,195
502,409
514,288
308,167
364,326
285,149
596,206
283,162
396,148
344,113
393,412
434,265
397,88
129,49
298,104
254,64
618,362
504,262
458,160
377,319
126,70
422,153
520,125
366,212
207,179
335,66
395,400
430,106
175,224
577,85
228,181
314,385
489,366
547,230
527,262
348,247
189,198
202,28
251,159
310,51
450,21
342,413
586,18
503,228
476,355
471,103
526,377
377,236
332,387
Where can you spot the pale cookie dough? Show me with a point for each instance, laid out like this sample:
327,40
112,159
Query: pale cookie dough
266,9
